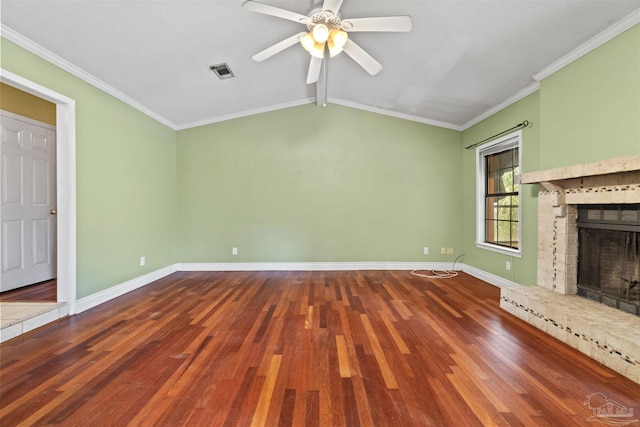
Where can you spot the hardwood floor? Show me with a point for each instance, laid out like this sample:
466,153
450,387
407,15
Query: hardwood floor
44,291
371,348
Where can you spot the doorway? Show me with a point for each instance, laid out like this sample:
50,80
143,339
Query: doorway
66,184
28,174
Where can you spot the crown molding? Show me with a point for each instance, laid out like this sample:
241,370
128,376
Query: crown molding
597,41
613,31
396,114
504,104
17,38
313,101
47,55
246,113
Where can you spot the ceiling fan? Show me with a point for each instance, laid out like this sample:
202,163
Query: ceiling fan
328,32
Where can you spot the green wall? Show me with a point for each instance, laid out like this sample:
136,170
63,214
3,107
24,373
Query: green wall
318,184
585,112
126,179
591,108
523,270
312,184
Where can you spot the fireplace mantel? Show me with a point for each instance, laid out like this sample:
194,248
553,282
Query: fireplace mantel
619,165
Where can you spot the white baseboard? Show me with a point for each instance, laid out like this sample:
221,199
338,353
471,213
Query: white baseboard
115,291
138,282
311,266
498,281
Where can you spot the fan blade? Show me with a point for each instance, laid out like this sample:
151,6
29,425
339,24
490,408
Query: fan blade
314,70
388,23
365,60
278,47
332,6
275,11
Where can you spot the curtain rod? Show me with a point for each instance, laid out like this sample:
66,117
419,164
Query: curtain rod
518,126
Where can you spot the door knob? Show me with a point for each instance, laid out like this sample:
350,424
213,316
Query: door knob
53,211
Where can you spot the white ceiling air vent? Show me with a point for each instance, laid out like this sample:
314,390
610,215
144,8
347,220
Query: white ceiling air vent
222,71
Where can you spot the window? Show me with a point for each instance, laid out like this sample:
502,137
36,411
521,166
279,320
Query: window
498,203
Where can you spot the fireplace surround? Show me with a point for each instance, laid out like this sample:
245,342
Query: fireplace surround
604,333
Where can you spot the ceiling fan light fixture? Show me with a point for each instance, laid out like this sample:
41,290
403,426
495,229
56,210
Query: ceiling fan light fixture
336,42
334,49
320,33
338,37
325,29
307,42
318,50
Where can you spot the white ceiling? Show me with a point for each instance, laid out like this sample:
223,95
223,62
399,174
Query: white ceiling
461,59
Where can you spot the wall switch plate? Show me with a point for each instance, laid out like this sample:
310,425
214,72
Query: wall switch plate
449,251
425,250
443,250
508,265
142,260
234,251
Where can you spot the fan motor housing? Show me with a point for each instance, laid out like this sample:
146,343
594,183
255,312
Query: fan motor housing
317,16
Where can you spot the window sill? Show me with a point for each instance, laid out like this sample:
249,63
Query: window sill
500,249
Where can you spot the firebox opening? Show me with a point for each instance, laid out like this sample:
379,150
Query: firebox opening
609,255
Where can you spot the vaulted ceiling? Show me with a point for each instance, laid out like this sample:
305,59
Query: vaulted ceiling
460,60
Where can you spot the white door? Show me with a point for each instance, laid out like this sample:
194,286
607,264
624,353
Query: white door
28,187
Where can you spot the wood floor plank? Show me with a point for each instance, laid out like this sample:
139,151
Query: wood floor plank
260,414
383,364
343,357
397,339
352,348
39,292
300,410
451,405
288,408
313,409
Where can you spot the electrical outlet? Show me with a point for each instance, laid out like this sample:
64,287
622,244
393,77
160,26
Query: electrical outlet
449,251
142,260
234,251
508,265
443,250
426,250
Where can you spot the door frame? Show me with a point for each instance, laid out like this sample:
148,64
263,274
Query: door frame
65,182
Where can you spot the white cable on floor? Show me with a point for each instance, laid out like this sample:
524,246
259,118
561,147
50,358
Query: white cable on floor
437,274
440,274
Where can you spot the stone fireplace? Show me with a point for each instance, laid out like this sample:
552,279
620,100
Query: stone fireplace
605,333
